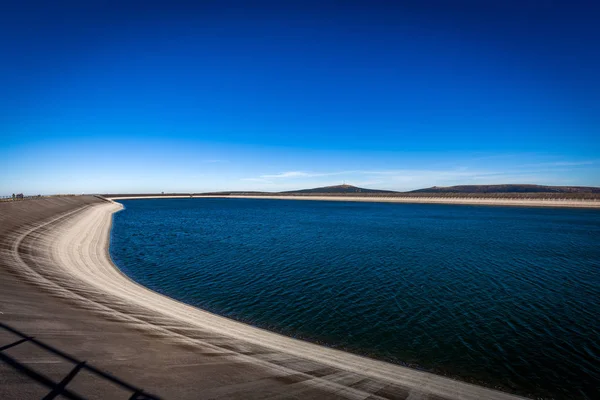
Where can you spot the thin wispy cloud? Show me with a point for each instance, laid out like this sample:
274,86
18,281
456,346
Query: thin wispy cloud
391,172
261,180
289,174
562,164
302,174
407,179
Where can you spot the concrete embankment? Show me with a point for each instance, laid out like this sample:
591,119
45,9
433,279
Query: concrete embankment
58,283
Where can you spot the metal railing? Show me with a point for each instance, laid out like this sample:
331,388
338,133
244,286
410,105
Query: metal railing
60,388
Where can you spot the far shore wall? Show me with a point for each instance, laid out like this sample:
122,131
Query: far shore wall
519,196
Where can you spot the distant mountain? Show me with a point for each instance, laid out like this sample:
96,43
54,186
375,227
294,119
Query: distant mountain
510,188
339,189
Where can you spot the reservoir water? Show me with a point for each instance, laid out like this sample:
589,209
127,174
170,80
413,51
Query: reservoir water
507,297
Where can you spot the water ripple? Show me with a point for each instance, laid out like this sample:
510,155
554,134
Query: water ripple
506,297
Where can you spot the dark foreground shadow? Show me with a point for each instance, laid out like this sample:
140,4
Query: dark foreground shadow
60,388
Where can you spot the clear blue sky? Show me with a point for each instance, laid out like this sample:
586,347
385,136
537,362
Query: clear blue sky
149,96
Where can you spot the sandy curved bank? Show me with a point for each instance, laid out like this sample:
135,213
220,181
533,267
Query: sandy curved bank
77,245
563,203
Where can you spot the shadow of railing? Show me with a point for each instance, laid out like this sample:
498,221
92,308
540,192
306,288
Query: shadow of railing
60,388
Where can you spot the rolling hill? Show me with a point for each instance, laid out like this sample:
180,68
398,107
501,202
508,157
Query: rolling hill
338,189
509,188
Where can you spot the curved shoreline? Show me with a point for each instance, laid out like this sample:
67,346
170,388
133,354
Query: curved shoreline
81,270
109,278
404,200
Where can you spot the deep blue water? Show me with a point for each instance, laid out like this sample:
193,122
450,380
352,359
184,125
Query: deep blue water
504,296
